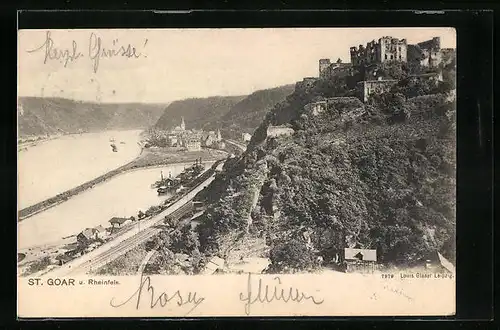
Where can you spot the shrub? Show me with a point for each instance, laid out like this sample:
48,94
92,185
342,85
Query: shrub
39,265
293,255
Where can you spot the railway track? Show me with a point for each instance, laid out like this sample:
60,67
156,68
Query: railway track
131,239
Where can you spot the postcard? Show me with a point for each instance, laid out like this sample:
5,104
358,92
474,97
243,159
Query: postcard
236,172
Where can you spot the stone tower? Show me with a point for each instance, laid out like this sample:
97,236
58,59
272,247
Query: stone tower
219,137
324,63
183,125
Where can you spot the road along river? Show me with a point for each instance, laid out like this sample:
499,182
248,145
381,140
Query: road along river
57,165
122,196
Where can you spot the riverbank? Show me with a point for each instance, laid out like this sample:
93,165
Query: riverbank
32,141
147,158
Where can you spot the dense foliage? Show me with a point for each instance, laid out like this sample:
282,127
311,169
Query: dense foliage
247,114
384,180
198,113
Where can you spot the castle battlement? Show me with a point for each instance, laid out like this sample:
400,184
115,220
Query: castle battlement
385,49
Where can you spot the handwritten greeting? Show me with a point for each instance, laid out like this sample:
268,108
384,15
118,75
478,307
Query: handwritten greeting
273,292
97,49
156,298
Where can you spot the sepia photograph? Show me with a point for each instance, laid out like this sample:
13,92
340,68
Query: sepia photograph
236,171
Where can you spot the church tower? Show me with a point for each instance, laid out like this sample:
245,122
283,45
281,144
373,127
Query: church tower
183,125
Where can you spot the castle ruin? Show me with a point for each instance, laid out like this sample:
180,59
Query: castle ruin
427,54
385,49
328,69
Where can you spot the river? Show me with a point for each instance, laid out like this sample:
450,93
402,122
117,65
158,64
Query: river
122,196
54,166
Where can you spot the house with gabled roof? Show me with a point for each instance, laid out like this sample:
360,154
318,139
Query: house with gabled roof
360,260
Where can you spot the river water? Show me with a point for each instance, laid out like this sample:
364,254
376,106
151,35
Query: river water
122,196
54,166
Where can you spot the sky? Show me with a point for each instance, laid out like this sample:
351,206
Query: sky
174,64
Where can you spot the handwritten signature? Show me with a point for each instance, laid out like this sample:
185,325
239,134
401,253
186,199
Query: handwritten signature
96,50
161,299
398,291
269,293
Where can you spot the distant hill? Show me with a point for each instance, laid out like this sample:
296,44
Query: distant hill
247,115
47,115
232,114
198,113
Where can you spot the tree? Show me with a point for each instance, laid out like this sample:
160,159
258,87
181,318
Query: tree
293,255
152,210
151,245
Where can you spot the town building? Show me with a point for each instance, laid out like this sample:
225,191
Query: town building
63,259
117,222
90,235
246,137
213,266
101,232
211,139
86,236
192,142
360,260
385,49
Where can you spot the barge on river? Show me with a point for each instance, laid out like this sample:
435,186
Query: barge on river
170,185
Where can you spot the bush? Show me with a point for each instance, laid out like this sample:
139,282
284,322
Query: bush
293,255
153,210
39,265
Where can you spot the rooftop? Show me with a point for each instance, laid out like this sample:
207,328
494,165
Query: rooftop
360,254
118,220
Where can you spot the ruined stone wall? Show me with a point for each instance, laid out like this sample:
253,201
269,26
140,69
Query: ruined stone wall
315,108
431,55
386,49
333,104
432,44
338,70
275,131
305,84
393,49
370,87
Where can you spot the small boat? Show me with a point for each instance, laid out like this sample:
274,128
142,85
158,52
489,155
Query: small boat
163,190
114,148
121,142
